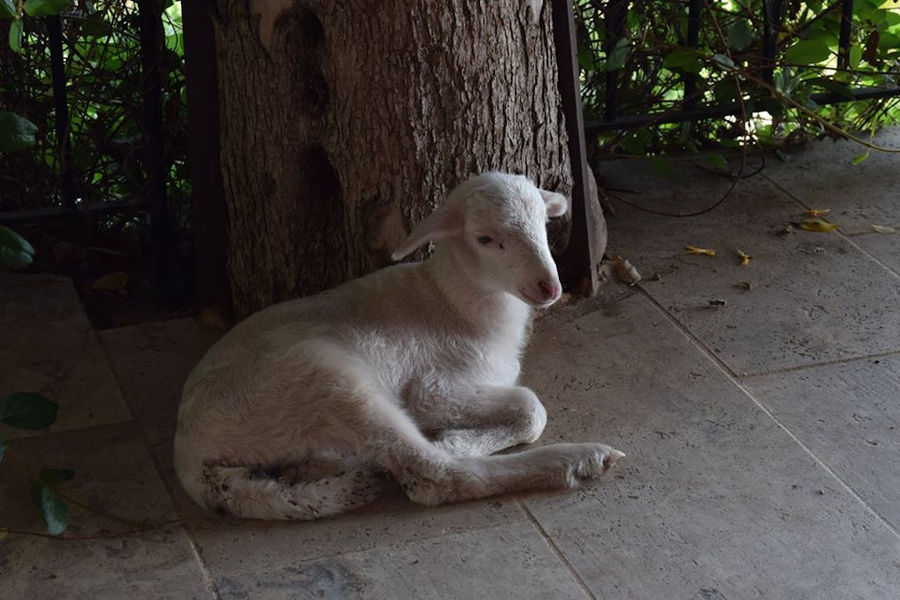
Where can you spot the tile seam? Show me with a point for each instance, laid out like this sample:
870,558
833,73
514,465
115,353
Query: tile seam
762,407
556,550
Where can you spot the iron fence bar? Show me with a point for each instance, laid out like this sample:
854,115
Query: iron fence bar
61,110
615,25
594,126
151,39
844,40
693,41
772,13
575,263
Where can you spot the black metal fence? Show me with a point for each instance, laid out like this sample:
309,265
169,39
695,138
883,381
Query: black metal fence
613,118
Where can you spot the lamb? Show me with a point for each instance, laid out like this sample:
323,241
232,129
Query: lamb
301,410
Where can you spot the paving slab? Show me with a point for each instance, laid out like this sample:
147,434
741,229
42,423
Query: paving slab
714,499
505,562
48,346
822,175
812,297
113,473
849,416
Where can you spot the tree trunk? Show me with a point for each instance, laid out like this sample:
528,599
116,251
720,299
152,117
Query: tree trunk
342,123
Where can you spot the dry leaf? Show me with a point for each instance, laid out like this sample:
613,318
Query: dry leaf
113,282
3,533
717,302
625,271
744,285
818,212
695,250
745,258
787,229
883,229
818,225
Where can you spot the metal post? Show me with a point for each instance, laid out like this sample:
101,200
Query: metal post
61,110
208,210
693,39
844,41
615,25
771,25
151,36
578,274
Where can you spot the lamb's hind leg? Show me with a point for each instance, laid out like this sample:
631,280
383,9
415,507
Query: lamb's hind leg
430,474
480,420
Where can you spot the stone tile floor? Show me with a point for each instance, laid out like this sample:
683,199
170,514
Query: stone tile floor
763,436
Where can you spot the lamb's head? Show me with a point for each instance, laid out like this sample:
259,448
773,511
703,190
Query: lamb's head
493,228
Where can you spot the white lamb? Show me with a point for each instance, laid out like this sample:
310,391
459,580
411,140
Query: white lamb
410,372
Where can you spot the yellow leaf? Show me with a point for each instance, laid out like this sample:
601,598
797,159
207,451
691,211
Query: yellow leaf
819,225
884,229
818,212
117,280
745,258
695,250
4,533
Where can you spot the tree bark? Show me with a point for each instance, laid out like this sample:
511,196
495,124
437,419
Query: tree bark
344,122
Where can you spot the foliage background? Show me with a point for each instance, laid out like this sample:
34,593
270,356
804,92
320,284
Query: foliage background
653,60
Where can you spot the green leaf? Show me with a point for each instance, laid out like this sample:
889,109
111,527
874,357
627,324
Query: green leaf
16,133
8,10
832,86
24,410
782,156
40,8
55,511
773,106
618,55
724,62
739,35
716,159
53,477
855,56
15,37
808,52
661,166
2,449
15,251
858,159
725,90
683,59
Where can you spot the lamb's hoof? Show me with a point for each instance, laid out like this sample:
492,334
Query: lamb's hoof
595,462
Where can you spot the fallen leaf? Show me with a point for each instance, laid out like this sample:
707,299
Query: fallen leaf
695,250
817,225
883,229
3,533
625,271
818,212
786,230
744,285
115,281
717,302
745,258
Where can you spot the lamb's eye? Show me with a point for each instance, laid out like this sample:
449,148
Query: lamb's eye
485,239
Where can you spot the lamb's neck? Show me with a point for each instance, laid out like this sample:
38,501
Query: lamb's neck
487,311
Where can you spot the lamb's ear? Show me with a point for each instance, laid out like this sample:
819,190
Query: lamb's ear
439,225
557,204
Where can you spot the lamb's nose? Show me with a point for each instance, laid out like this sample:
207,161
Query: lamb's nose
549,290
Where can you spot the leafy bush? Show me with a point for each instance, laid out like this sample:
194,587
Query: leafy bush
653,62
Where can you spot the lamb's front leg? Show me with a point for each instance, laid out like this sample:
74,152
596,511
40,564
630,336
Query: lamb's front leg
481,419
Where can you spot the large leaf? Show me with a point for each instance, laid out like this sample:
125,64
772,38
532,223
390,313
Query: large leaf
16,133
8,9
684,59
739,35
15,251
808,52
618,55
55,511
25,410
39,8
15,40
